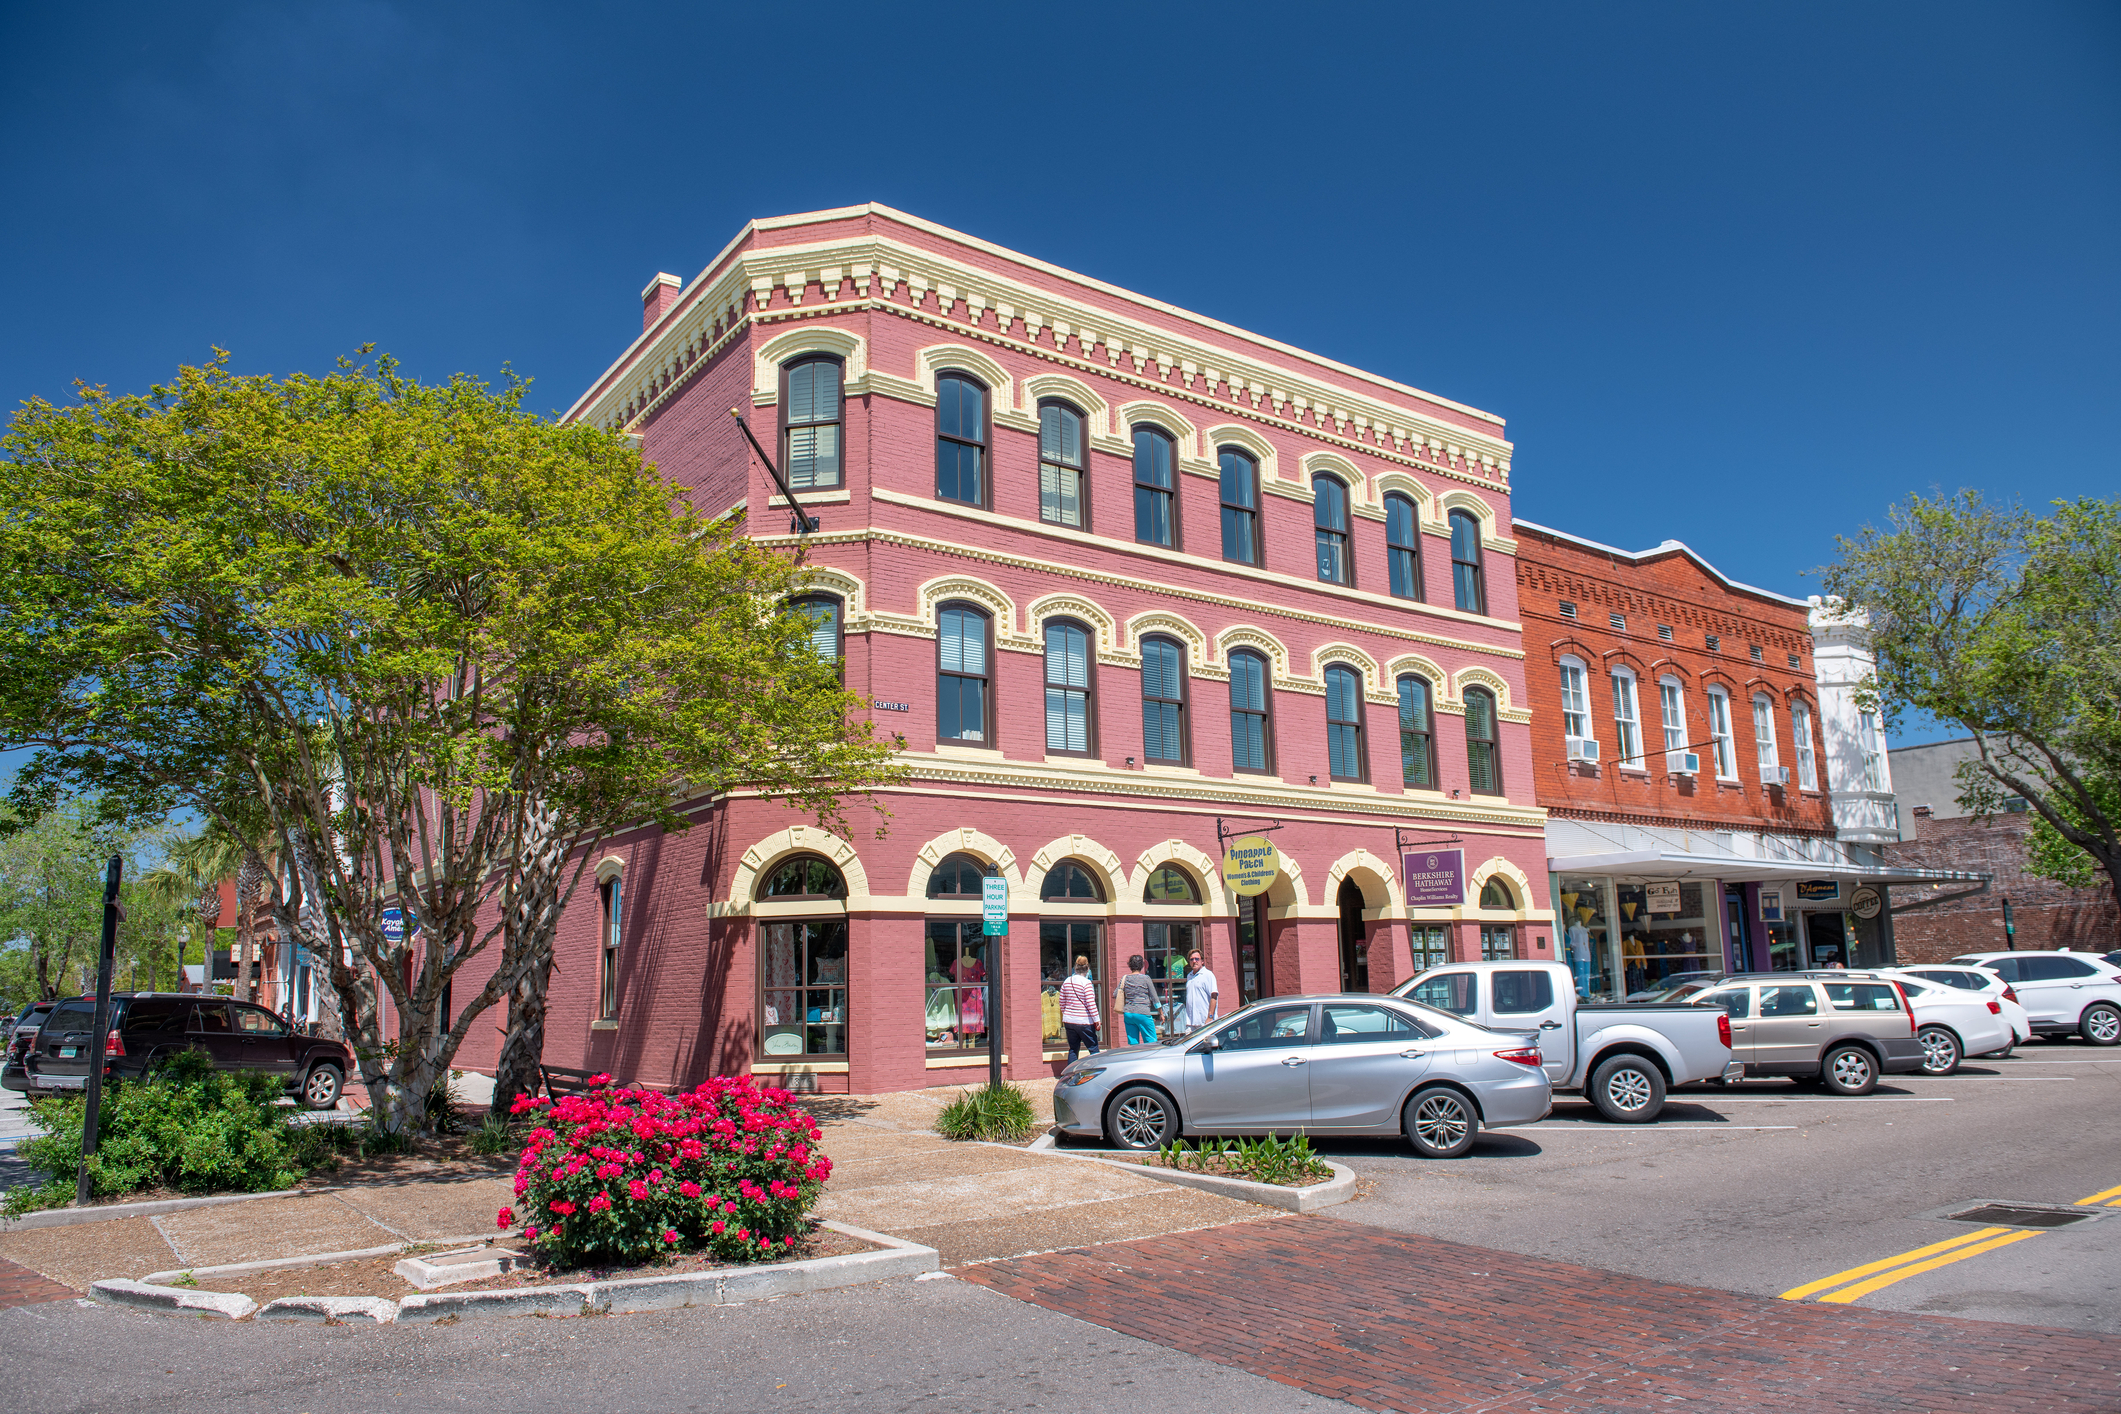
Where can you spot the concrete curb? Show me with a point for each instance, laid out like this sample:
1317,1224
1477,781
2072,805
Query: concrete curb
175,1300
897,1258
379,1309
314,1259
71,1217
1335,1190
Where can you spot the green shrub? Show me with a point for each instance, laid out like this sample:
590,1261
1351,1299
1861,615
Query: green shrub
189,1127
1000,1113
495,1135
1271,1159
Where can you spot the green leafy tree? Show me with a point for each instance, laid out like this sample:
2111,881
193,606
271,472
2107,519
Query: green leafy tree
2009,625
399,641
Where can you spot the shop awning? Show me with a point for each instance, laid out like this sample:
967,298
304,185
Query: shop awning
1657,864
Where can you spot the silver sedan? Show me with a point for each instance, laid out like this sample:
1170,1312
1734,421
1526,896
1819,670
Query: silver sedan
1342,1064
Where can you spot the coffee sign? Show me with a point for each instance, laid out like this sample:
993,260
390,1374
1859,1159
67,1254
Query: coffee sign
1866,903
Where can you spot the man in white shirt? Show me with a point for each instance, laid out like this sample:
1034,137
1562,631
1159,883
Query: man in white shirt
1203,1002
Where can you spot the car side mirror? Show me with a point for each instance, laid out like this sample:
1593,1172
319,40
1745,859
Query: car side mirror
1205,1044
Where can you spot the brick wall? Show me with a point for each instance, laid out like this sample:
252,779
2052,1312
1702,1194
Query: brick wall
2046,914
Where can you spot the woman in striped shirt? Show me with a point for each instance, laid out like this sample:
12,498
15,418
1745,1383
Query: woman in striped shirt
1078,999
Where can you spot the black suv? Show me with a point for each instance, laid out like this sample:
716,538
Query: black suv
148,1026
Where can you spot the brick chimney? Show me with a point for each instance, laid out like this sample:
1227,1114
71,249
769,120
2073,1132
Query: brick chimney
662,292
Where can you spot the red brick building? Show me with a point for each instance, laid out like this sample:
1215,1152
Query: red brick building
1682,755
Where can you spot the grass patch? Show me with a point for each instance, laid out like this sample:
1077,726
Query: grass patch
998,1113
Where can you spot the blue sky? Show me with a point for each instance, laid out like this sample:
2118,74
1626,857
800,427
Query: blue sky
1737,275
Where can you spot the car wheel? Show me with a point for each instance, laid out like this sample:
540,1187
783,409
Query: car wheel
1628,1090
1849,1070
2101,1025
1940,1051
1440,1123
320,1091
1141,1117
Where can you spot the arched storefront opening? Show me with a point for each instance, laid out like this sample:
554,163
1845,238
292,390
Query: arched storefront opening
1354,939
803,962
1166,942
958,957
1067,895
1498,941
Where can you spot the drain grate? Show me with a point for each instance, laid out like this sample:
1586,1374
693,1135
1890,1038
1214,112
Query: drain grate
2010,1215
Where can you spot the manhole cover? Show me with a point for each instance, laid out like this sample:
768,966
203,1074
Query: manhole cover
2009,1215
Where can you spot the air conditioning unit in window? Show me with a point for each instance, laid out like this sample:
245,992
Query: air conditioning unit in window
1685,763
1775,775
1583,748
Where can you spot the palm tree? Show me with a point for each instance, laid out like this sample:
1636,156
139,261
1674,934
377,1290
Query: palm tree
195,868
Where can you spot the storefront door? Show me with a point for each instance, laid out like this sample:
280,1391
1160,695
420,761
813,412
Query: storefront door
1827,934
1740,943
1354,939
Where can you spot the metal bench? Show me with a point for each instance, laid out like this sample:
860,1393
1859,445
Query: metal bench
559,1080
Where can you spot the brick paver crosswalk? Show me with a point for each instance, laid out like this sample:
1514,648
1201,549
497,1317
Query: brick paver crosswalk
1389,1321
19,1286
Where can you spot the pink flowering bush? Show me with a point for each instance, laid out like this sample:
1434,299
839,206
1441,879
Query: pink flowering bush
623,1176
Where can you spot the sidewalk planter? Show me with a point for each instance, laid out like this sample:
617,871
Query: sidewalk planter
894,1257
1308,1199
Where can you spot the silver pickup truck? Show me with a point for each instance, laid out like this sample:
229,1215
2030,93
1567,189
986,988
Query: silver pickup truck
1622,1058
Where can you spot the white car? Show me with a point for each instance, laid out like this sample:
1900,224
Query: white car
1953,1024
1984,982
2062,992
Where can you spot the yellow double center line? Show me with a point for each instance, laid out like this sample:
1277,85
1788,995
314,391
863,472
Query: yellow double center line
1858,1282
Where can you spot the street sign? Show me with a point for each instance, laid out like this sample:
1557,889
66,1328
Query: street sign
1250,865
1436,878
994,906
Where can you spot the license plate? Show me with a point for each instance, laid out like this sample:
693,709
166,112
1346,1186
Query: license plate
69,1052
61,1082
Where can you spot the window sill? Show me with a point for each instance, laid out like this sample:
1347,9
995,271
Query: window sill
1642,771
960,1063
1361,787
603,1026
782,1067
1167,768
967,753
838,497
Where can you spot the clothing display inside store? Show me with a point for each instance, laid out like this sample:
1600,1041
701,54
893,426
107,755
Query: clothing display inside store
1653,946
1059,943
1587,940
804,1004
958,957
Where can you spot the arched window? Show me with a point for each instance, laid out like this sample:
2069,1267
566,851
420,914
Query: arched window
1498,942
1068,695
1575,701
803,963
1155,488
1466,580
1170,884
960,439
1496,894
803,876
1163,701
1483,761
1403,547
810,422
962,701
1627,718
1240,497
823,612
1417,733
1063,480
608,961
1764,738
958,876
1251,726
1329,515
1801,738
1070,882
1346,757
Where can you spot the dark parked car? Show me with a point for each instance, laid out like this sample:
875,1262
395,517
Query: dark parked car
21,1035
146,1027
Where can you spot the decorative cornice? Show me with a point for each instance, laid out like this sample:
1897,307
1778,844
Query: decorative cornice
1177,366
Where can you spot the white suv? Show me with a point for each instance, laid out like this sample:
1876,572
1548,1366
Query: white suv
1982,982
2061,991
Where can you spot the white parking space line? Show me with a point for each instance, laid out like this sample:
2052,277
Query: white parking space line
1713,1100
1627,1131
2088,1060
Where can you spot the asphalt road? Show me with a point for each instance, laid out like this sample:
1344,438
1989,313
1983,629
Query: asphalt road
1765,1187
927,1346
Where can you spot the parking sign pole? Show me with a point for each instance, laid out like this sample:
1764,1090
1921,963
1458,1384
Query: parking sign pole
112,874
994,922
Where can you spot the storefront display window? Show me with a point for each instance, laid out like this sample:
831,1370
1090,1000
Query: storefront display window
1165,944
958,959
803,964
1588,942
1432,946
1782,947
1498,944
1667,930
1060,943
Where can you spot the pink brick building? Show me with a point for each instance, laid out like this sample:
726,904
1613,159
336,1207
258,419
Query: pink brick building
1128,581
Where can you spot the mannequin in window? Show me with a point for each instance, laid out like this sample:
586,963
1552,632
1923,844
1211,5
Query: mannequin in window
971,1000
1576,947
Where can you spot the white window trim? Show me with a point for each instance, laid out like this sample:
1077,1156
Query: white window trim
1871,739
1801,736
1639,761
1764,741
1724,739
1576,720
1672,750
